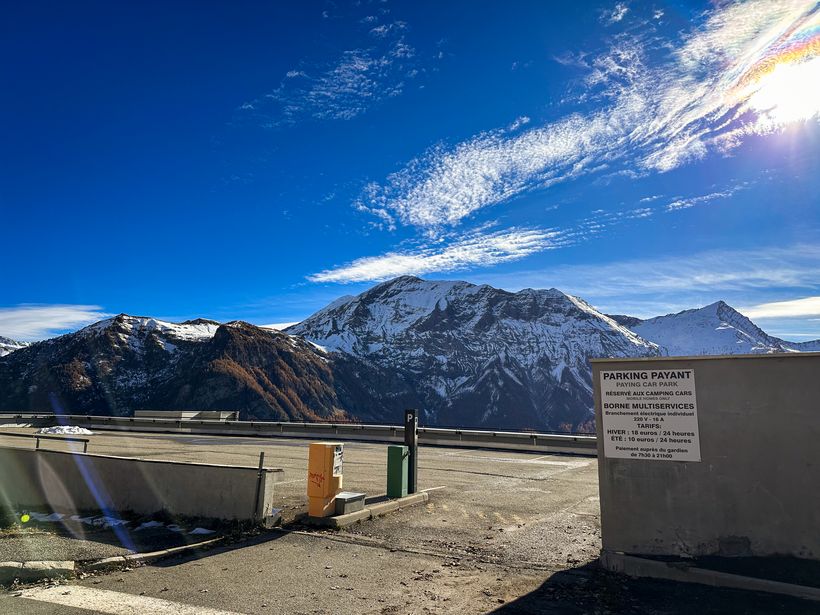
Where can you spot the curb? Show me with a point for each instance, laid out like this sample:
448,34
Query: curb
371,512
635,566
26,572
35,570
119,561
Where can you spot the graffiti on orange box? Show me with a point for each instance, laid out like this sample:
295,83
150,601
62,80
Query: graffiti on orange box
317,478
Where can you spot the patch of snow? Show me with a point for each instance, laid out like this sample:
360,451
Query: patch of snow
7,346
192,331
109,522
46,518
65,430
201,530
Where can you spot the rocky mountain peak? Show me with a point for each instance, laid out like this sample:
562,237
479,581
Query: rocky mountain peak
716,328
463,345
8,345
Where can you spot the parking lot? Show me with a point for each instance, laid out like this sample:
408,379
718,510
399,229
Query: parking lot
515,532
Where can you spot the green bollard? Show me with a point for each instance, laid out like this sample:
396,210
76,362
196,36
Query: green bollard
397,464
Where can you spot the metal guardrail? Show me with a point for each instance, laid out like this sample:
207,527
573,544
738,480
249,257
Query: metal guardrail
578,444
465,438
39,436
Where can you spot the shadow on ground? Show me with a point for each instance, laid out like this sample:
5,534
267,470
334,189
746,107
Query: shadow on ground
198,554
67,539
591,589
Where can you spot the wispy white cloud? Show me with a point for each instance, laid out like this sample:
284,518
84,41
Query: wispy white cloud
354,82
447,185
479,249
519,122
35,322
686,203
615,14
706,96
807,306
444,256
647,287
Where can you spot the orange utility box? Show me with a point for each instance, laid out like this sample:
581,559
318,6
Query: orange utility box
324,477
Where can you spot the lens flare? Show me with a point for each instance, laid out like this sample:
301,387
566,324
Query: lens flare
780,80
789,93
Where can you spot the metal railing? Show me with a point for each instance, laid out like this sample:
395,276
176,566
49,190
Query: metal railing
39,436
579,444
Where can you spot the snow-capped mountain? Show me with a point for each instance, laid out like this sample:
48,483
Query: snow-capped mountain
127,362
477,355
715,329
8,345
466,355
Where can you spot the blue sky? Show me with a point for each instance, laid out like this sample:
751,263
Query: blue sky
256,160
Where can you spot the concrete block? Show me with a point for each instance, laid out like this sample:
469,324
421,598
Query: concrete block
107,563
349,502
33,571
348,519
390,506
272,519
362,515
386,507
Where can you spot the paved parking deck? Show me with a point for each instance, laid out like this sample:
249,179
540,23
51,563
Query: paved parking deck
515,532
494,505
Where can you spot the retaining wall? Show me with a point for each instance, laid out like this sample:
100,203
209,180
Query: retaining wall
71,483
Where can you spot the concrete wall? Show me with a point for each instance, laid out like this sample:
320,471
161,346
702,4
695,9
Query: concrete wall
27,419
66,482
756,490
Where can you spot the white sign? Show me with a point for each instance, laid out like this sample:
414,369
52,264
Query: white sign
650,414
338,456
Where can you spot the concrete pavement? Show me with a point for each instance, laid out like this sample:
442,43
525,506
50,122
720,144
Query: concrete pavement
514,532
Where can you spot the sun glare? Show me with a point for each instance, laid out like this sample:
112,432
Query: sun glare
790,93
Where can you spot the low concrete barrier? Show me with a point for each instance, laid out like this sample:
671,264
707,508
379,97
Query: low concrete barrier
576,444
71,483
27,419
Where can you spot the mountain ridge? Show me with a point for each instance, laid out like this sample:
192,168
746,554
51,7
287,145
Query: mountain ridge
465,354
714,329
8,345
476,350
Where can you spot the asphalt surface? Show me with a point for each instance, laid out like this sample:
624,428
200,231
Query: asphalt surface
503,532
78,542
